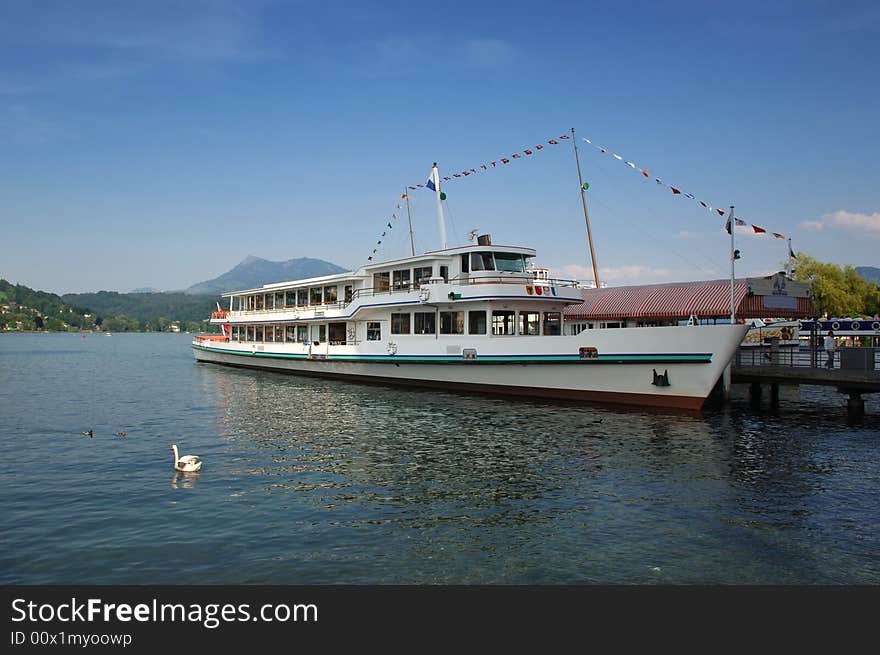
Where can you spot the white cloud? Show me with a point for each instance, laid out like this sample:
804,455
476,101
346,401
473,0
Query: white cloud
847,220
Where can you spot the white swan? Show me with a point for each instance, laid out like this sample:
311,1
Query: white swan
187,463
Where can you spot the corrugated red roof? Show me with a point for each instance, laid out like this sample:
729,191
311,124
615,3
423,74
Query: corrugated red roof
659,301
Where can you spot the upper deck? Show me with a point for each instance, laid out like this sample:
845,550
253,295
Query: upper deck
458,274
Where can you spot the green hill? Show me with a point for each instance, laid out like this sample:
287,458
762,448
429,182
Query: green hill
152,311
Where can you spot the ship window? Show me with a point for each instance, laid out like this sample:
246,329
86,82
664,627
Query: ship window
451,322
444,273
348,293
336,333
400,279
482,261
477,322
270,333
529,323
400,323
374,331
279,333
258,302
279,299
270,301
291,333
424,323
315,296
503,322
509,262
330,294
302,297
464,263
322,333
381,282
302,333
552,323
422,274
290,299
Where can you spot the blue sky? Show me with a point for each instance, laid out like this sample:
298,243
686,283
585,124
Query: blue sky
159,143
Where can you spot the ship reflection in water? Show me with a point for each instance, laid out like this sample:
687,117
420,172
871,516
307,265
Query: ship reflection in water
503,490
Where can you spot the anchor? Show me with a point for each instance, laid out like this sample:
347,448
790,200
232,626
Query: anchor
661,380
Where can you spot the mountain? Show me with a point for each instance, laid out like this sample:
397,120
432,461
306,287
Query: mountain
254,272
870,273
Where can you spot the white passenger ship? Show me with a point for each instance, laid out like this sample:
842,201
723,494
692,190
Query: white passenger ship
469,318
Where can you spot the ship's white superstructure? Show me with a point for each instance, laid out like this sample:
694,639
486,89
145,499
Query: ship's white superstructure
466,318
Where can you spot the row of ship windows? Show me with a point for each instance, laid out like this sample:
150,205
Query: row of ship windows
293,298
503,323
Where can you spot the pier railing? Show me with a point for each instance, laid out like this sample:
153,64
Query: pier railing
854,358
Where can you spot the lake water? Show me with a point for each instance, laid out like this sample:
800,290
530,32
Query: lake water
311,481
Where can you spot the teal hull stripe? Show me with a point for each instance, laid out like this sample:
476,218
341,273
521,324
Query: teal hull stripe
485,359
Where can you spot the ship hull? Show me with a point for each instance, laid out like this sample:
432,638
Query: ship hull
675,367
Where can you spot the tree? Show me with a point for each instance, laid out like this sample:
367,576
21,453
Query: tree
837,291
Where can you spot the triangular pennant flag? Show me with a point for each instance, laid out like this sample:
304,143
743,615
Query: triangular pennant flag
689,195
791,252
645,173
740,223
630,164
674,190
759,230
616,156
778,236
720,212
389,225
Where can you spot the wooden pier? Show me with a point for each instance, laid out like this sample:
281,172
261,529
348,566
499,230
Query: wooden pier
774,367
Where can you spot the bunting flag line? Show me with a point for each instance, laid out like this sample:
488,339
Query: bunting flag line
497,163
676,191
388,226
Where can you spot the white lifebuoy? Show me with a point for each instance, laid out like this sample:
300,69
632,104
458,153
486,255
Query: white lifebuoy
875,325
835,325
856,326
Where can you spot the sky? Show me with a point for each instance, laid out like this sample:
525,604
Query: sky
157,144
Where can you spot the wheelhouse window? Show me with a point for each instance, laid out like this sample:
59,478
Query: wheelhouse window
374,331
330,294
400,279
400,323
482,261
290,333
422,274
424,323
302,297
316,296
529,323
503,322
381,282
552,323
302,333
451,322
477,322
465,261
509,262
349,292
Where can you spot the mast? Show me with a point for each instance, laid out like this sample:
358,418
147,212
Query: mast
435,177
412,243
788,259
732,223
586,215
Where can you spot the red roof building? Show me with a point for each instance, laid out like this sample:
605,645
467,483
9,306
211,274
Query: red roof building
774,296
